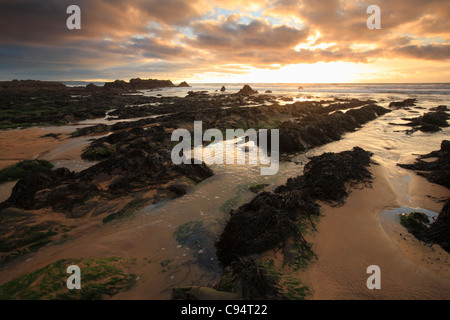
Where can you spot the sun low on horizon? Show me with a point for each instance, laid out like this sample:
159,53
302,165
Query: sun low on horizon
209,41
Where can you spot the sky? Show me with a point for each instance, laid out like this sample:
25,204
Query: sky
226,41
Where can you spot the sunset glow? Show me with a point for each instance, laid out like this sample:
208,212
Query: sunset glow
227,41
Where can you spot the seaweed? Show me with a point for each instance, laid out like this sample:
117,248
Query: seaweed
100,277
437,171
23,168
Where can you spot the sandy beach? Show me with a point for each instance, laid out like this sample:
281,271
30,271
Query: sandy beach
352,237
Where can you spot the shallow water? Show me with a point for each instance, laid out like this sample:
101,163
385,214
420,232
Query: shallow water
394,214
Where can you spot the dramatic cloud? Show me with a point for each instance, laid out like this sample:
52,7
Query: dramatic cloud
181,39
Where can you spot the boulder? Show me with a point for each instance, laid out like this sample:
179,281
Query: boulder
184,85
247,91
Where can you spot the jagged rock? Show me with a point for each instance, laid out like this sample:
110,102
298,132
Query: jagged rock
437,171
403,104
439,231
246,91
184,85
129,170
313,131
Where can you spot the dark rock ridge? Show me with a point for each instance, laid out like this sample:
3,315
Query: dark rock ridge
437,232
121,141
118,85
132,170
139,84
403,104
430,122
318,129
274,219
437,171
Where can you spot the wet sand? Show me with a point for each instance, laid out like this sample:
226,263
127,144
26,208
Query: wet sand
26,144
350,238
29,144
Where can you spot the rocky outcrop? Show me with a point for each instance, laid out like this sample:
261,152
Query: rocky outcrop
223,89
130,170
437,232
184,84
247,91
137,84
430,122
437,171
403,104
315,130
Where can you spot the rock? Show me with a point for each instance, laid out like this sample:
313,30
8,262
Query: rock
197,94
403,104
268,91
440,108
184,85
131,168
246,91
178,188
223,89
437,171
312,131
91,87
439,230
429,122
445,146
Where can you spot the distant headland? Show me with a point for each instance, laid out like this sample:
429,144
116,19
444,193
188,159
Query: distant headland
115,86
